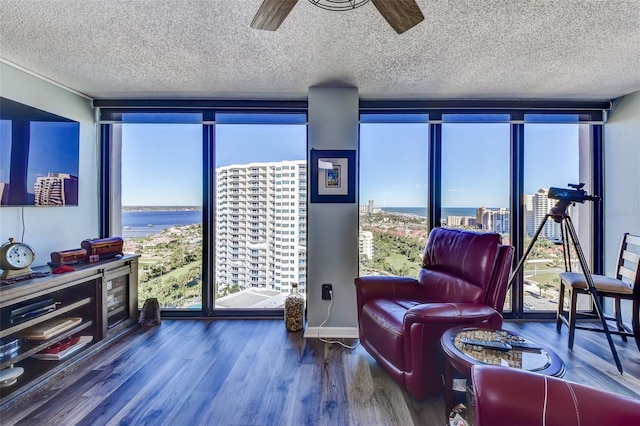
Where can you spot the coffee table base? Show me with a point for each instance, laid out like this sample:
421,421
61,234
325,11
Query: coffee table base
458,360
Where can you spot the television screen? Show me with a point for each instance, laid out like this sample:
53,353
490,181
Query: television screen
39,157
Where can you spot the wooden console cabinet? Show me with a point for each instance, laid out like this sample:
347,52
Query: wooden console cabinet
98,301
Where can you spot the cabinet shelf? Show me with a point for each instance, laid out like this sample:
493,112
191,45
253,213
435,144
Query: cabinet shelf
45,317
115,311
28,349
89,293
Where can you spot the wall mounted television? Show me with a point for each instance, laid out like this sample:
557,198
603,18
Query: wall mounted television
39,157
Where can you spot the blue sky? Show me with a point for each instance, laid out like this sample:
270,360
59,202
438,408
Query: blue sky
161,164
154,172
394,164
475,162
393,160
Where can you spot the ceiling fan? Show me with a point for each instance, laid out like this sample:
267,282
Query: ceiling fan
400,14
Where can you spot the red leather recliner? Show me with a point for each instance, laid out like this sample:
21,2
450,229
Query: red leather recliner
463,281
507,396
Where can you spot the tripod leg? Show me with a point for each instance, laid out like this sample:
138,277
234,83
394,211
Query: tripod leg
566,253
527,251
592,289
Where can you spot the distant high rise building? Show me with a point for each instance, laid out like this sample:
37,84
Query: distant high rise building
500,221
261,211
493,220
529,216
56,189
461,221
368,208
483,220
365,244
541,206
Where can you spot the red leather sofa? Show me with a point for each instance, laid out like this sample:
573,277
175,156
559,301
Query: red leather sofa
401,319
507,396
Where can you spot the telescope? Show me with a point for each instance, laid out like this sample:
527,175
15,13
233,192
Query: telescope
566,197
573,194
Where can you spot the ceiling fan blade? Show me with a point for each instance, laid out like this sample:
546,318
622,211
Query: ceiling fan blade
400,14
271,14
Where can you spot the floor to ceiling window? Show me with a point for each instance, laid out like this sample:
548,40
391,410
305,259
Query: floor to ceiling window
161,215
393,192
555,155
476,182
261,209
482,167
216,202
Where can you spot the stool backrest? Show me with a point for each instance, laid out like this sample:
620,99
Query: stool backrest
628,261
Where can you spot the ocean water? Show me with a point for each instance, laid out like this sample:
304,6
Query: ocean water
422,211
138,224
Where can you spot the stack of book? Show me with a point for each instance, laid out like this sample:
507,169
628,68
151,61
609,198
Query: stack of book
63,349
50,328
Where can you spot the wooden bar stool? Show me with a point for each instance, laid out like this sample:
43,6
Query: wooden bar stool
625,286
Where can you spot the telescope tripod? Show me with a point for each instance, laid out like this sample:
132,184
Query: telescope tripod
568,234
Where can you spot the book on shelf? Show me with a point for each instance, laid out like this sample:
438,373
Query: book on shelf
32,310
63,349
51,328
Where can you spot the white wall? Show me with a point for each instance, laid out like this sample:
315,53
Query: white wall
332,229
622,175
49,229
622,182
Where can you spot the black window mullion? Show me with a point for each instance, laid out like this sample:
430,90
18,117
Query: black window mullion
105,180
435,171
517,208
208,218
598,189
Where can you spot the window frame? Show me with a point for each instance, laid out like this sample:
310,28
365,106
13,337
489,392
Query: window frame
591,113
112,111
594,113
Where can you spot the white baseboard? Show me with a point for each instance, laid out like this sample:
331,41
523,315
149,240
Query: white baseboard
331,332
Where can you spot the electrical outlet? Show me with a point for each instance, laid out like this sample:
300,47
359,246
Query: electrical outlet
326,288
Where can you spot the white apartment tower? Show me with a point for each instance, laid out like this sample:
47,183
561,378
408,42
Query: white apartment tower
261,219
365,244
541,206
493,220
529,217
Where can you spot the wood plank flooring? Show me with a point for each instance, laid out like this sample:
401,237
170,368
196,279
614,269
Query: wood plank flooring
253,372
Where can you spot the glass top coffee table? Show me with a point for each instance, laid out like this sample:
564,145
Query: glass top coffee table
468,346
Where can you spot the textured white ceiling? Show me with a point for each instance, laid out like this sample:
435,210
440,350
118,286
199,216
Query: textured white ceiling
205,49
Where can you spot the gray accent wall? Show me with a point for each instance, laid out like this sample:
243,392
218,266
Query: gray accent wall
332,227
49,229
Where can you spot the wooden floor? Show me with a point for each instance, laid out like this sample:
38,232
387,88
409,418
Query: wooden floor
253,372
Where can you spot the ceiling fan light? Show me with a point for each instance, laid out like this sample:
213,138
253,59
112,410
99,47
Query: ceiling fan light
338,5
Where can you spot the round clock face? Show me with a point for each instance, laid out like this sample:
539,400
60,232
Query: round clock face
19,256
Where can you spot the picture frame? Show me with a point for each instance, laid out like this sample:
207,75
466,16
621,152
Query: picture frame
333,176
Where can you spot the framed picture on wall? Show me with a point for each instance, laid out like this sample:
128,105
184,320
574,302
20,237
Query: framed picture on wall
333,176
